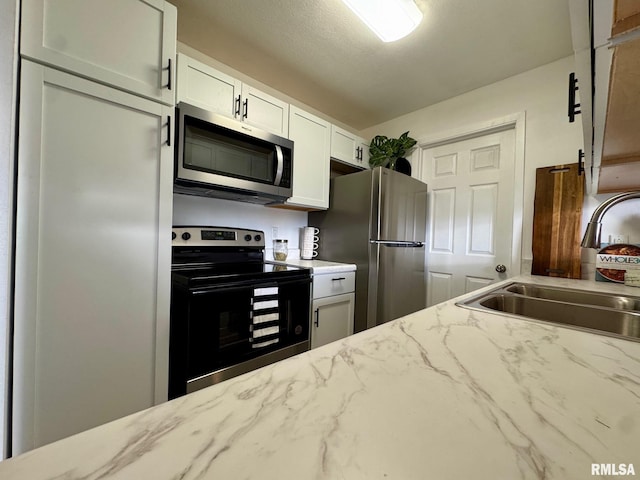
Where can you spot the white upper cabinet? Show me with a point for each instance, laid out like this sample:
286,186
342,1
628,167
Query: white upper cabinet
349,148
264,111
128,44
311,147
205,87
364,154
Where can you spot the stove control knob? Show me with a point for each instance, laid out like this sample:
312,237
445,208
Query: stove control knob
186,236
257,238
173,235
247,238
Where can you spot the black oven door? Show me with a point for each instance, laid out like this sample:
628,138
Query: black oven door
223,331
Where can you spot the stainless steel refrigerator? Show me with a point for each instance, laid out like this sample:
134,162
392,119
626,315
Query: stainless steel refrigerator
377,220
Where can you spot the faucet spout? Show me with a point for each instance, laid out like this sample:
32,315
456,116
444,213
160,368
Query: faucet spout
591,237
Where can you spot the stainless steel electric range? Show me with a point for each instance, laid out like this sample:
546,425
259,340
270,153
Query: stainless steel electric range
231,312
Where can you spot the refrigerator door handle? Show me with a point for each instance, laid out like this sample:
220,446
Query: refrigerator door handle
398,243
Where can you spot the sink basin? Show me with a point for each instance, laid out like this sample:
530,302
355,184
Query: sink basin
619,302
614,315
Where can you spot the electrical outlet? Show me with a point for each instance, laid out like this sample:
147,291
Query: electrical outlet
618,238
274,232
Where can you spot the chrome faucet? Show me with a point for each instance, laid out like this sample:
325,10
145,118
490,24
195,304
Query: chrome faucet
591,237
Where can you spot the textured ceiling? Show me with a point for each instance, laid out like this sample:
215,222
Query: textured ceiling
318,52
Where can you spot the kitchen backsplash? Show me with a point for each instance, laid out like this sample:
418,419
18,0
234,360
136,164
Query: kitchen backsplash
192,210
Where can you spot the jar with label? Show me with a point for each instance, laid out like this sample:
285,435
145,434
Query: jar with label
280,249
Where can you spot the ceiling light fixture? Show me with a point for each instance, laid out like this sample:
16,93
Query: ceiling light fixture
390,20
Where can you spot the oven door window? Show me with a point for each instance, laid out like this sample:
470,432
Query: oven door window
230,325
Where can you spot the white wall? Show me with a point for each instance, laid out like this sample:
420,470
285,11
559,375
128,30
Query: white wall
191,210
549,137
8,61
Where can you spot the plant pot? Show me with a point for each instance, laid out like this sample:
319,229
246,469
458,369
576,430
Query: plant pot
402,165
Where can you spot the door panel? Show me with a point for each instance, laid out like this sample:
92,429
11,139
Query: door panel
401,283
332,319
471,213
264,111
402,207
94,202
312,142
205,87
90,37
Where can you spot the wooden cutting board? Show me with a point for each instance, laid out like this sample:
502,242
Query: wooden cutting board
557,215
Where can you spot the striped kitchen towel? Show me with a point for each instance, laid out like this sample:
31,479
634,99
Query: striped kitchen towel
265,317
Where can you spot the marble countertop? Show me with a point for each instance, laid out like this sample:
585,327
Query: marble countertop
445,393
318,266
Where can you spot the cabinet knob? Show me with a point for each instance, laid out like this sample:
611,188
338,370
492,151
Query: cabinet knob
501,268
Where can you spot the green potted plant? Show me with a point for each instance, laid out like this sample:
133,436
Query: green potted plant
384,151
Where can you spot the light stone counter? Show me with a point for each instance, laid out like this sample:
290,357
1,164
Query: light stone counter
445,393
318,266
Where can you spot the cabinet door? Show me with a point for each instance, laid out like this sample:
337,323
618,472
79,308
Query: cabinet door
129,44
205,87
311,140
343,145
93,256
264,111
364,154
332,319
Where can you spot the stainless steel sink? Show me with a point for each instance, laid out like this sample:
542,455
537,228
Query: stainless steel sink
614,315
618,302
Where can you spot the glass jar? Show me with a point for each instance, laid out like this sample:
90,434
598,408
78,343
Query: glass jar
280,249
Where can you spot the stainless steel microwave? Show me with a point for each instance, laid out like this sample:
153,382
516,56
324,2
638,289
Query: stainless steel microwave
221,157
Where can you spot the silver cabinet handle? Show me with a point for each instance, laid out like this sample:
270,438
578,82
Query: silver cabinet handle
317,321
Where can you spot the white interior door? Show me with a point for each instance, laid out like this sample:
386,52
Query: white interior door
471,211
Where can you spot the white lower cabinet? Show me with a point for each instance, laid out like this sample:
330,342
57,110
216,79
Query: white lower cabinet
333,307
92,257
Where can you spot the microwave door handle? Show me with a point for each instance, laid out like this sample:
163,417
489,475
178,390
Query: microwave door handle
280,167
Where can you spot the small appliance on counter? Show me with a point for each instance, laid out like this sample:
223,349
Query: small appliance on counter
231,312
